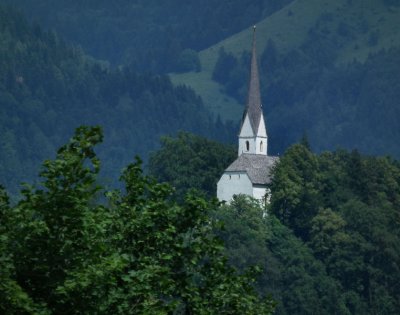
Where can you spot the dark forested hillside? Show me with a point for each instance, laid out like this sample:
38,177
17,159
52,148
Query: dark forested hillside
310,82
351,106
154,35
330,243
47,88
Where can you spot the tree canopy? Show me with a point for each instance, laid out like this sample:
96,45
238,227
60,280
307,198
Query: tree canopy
329,243
189,162
67,250
345,208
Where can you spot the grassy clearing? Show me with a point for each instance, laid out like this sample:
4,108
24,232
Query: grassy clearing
211,92
288,28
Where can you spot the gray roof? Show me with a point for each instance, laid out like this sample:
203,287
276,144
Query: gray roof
253,106
257,166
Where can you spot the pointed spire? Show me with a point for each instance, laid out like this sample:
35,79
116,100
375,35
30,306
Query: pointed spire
253,107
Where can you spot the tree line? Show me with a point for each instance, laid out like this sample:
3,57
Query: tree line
329,243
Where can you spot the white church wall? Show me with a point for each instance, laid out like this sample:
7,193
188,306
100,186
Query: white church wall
259,192
261,145
247,141
262,138
262,131
247,148
246,130
233,183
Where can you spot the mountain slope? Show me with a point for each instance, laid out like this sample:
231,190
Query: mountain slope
289,28
153,35
328,69
48,88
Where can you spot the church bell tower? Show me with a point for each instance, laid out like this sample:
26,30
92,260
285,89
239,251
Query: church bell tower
253,137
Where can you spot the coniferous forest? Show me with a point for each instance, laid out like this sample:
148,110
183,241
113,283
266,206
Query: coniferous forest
48,88
88,228
153,35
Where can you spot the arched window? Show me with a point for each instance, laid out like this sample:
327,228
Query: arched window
261,146
247,146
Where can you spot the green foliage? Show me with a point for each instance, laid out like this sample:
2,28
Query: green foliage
245,232
56,228
345,208
295,197
334,248
64,250
290,272
190,162
14,299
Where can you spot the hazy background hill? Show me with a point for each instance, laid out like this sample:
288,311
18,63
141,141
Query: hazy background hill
328,68
48,88
153,35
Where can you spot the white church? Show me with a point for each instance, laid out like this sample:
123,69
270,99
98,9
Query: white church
250,173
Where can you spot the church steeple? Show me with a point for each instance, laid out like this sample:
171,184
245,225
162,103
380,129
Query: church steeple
251,173
253,136
253,106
